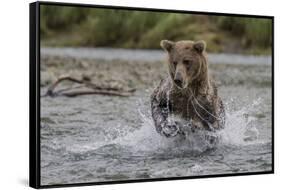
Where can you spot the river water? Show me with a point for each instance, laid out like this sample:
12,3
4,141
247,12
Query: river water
98,138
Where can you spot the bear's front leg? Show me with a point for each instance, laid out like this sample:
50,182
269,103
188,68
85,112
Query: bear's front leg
159,108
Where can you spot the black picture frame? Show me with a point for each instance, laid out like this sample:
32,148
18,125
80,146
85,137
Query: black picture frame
34,94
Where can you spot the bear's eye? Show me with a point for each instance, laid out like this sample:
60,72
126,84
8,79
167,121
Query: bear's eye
187,63
175,63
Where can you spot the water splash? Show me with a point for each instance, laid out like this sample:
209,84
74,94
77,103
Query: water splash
146,141
239,130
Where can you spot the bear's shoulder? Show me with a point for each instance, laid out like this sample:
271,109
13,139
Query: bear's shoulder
162,88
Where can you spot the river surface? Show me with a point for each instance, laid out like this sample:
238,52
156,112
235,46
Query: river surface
96,138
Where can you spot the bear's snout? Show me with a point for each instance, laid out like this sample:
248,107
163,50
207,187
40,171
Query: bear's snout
178,80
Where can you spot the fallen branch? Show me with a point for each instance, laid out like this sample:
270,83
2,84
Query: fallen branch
91,89
78,93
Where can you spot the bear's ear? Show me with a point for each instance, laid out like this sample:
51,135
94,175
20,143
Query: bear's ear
199,46
167,45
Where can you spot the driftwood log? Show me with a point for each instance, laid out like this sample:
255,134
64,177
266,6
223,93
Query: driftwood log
85,88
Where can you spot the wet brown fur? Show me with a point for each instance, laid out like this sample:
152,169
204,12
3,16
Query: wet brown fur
195,99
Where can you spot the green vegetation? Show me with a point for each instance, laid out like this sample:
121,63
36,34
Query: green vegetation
73,26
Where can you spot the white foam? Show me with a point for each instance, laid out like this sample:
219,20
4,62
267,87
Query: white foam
238,125
238,128
146,139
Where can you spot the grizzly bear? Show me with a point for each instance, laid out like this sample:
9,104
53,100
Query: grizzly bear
187,93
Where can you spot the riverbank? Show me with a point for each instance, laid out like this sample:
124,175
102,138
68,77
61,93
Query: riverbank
142,69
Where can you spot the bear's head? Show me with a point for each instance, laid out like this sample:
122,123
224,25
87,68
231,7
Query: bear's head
187,61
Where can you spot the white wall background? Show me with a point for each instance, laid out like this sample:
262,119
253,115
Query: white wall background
14,73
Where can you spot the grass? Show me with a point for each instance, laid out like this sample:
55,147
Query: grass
72,26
